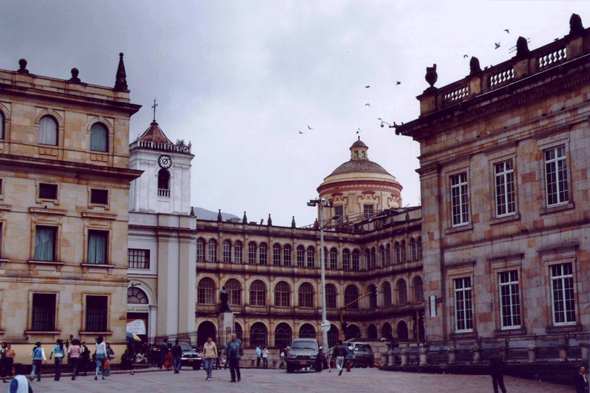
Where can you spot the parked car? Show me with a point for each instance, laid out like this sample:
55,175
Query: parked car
363,354
190,357
302,354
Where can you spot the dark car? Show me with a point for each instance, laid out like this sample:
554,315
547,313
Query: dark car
302,354
190,357
363,354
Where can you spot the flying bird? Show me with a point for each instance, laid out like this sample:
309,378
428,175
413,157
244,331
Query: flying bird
465,56
367,104
398,83
497,45
366,87
507,31
309,128
300,132
358,131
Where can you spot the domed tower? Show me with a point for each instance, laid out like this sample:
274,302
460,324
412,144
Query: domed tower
359,188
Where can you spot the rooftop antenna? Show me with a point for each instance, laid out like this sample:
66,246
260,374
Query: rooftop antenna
154,106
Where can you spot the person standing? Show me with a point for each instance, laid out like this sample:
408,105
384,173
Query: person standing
19,383
38,356
265,357
3,368
209,356
100,355
10,356
339,352
163,351
217,359
497,366
348,358
580,381
258,355
319,361
177,356
84,358
68,343
282,357
60,352
233,351
74,352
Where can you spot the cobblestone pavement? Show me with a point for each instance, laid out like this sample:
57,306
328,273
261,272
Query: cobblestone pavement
257,381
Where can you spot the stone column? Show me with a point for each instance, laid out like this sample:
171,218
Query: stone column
451,352
531,349
423,356
562,352
404,353
584,345
476,354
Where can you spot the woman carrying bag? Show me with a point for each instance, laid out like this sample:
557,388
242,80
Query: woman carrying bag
58,352
100,355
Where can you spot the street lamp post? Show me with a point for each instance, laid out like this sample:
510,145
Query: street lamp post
322,203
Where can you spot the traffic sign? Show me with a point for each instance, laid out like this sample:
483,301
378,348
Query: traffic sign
325,325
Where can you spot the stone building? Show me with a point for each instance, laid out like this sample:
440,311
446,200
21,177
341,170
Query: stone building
64,188
506,216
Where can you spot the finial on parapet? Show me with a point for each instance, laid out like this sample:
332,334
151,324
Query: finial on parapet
576,26
74,77
245,219
269,221
23,66
121,81
431,75
219,218
474,66
293,222
522,47
192,211
316,224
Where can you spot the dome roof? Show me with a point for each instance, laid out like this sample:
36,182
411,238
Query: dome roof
359,166
358,143
155,134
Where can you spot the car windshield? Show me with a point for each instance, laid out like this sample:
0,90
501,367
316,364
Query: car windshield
304,345
185,346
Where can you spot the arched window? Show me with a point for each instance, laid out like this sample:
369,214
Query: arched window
353,331
227,251
356,263
287,252
333,336
300,256
238,331
276,254
372,289
47,131
331,296
326,265
402,292
372,332
310,257
419,245
163,181
403,250
282,295
388,255
413,250
263,254
382,256
418,290
351,293
258,293
368,258
307,331
99,138
402,331
234,290
333,259
373,258
346,259
2,125
200,250
386,287
212,250
206,291
238,252
283,335
386,331
398,254
306,295
136,296
258,335
252,253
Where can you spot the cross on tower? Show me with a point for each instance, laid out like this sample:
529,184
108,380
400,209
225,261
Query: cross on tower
154,106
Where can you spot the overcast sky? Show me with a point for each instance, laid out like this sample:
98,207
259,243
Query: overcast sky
240,79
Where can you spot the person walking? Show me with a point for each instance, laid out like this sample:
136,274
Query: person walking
100,355
10,356
74,351
233,351
60,352
84,358
68,343
497,366
348,358
209,356
3,368
319,361
339,352
163,351
177,356
265,357
580,381
38,356
258,356
19,383
217,359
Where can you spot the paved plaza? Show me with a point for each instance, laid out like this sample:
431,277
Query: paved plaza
256,381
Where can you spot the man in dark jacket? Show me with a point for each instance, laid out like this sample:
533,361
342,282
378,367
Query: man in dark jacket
580,381
497,371
233,351
177,356
163,351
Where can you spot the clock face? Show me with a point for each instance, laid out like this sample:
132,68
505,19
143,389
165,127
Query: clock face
165,161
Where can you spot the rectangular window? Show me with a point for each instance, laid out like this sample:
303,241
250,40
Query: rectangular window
226,252
287,256
138,259
460,199
300,257
368,211
310,257
333,260
47,191
200,250
45,241
463,305
509,299
98,247
276,255
96,313
99,197
562,288
556,176
505,197
43,316
339,214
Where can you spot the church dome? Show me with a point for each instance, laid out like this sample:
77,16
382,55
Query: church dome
360,166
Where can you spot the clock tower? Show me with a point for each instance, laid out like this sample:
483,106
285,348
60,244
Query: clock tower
164,186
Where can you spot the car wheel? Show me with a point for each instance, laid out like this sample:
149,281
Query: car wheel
289,370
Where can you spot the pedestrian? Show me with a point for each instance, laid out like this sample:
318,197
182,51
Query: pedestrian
84,359
110,352
58,353
127,360
3,368
100,355
163,351
68,343
282,357
74,351
38,356
339,352
265,357
497,366
319,361
217,359
177,356
580,381
10,356
348,358
258,355
210,354
168,361
233,351
19,383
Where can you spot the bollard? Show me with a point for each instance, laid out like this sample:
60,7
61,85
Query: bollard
404,353
562,352
532,353
384,359
423,356
451,352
